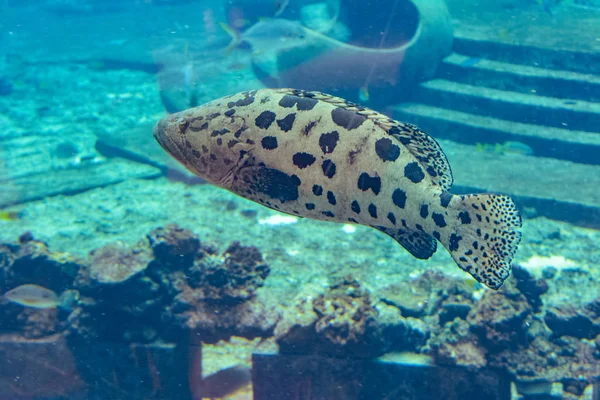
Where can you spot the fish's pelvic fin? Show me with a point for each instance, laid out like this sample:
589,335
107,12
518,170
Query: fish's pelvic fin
486,236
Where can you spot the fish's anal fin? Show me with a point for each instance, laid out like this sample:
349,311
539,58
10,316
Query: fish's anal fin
486,237
425,148
419,244
269,184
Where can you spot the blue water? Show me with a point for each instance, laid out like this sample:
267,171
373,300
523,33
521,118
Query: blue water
123,275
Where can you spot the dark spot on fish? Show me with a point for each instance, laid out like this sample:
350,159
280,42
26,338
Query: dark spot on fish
464,217
431,171
365,182
204,149
303,160
439,219
328,214
229,113
373,210
276,184
265,119
310,206
269,142
329,168
306,130
246,101
355,206
213,157
232,143
220,132
347,119
424,212
317,190
328,141
287,122
199,128
238,133
392,218
219,142
413,172
303,103
331,198
387,150
445,198
436,235
212,116
196,153
353,220
454,242
399,198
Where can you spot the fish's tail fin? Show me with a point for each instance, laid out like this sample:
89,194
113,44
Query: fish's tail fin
486,237
235,37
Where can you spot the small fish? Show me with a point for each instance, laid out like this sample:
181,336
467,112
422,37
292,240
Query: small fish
269,34
508,147
10,215
34,296
314,155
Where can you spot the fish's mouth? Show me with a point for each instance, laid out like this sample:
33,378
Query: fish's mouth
162,136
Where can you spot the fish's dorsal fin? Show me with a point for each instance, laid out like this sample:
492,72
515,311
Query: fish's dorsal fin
419,244
427,151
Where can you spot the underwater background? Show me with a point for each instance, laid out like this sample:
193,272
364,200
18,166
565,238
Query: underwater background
124,276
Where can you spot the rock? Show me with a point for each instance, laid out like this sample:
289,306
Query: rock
500,318
530,287
116,262
583,323
174,245
424,295
230,278
345,322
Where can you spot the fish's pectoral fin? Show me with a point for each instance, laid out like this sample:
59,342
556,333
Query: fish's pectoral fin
267,183
419,244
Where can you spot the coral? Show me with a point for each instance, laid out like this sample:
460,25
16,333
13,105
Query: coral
230,278
500,318
345,315
345,321
174,245
169,283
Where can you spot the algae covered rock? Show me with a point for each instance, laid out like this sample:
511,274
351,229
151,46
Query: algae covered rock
346,320
169,283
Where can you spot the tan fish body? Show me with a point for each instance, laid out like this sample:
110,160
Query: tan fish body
318,156
34,296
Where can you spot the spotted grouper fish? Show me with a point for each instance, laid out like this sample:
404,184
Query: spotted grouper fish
318,156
